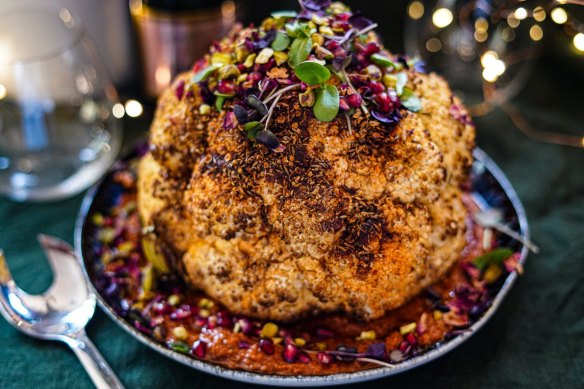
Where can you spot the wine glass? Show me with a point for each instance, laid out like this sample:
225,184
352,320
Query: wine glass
59,112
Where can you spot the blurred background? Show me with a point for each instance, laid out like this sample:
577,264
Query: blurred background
534,49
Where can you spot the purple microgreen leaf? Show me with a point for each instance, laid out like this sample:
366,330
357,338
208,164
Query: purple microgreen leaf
254,102
240,114
360,22
229,121
340,63
387,118
420,66
268,139
315,5
377,351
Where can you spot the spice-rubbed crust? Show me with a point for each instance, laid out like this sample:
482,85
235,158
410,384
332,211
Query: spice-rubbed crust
355,220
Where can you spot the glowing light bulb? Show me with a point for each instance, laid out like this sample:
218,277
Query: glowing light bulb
490,75
442,17
539,14
3,91
520,13
134,108
535,32
559,15
416,10
488,58
118,110
433,45
579,42
512,21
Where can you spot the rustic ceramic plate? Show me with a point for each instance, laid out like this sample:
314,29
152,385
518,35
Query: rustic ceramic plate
490,189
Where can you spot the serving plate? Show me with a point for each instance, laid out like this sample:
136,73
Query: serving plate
490,189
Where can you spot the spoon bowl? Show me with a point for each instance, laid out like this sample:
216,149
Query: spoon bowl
61,313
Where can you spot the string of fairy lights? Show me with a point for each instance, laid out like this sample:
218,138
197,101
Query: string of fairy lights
495,63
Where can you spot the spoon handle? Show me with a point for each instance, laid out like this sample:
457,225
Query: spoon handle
96,366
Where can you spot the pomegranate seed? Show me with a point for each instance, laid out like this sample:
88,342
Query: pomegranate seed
411,338
267,346
324,358
226,87
161,308
343,16
382,100
344,104
303,358
354,100
224,319
303,86
324,333
180,90
377,87
246,326
290,353
180,314
332,45
371,48
405,347
199,349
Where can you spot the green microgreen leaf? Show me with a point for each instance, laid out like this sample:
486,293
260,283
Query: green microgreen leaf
413,103
380,60
312,73
284,14
401,81
298,30
226,95
299,51
203,74
252,129
326,106
281,42
219,103
496,256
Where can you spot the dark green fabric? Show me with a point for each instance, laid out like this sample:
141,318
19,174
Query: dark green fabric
536,339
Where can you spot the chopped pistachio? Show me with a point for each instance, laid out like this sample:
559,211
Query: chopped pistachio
322,53
204,313
125,247
204,109
148,279
277,340
179,333
320,20
280,57
174,300
492,273
268,24
241,78
205,303
236,327
389,80
320,346
107,235
300,342
311,24
269,330
437,314
317,39
97,219
221,59
374,72
367,335
249,60
228,71
338,8
264,55
307,99
240,53
406,329
326,30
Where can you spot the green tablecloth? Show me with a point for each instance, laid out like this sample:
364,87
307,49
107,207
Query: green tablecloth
536,339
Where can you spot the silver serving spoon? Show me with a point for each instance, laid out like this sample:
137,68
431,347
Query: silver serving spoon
60,313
